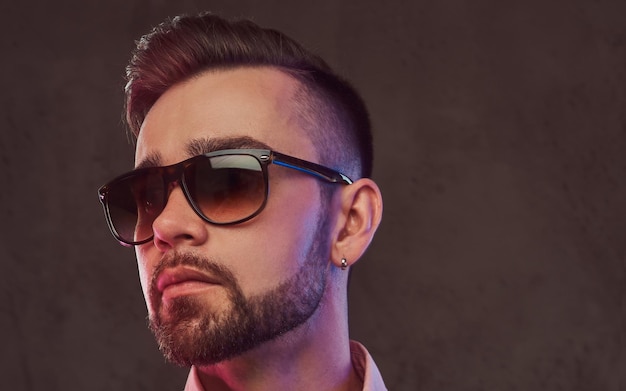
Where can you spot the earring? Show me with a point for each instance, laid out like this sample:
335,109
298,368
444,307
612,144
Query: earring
344,264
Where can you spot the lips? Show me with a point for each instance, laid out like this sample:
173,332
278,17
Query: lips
182,279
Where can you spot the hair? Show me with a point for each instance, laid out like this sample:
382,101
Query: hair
331,111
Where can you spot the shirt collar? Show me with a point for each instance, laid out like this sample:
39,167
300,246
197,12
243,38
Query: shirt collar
362,362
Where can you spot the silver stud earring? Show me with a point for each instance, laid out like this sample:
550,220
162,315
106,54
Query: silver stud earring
344,264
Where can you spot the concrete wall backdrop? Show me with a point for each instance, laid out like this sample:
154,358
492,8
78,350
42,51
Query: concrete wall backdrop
500,131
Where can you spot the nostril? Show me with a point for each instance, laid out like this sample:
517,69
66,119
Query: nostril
161,244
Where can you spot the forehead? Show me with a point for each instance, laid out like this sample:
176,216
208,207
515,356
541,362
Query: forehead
255,103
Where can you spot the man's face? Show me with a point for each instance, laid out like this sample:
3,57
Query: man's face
214,292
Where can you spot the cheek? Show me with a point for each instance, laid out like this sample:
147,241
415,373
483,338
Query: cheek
276,246
297,220
145,273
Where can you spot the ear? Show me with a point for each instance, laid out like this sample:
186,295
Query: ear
360,213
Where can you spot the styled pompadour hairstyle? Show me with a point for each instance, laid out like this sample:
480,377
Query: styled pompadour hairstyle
333,114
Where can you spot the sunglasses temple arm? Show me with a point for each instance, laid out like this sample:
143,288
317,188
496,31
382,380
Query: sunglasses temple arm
317,170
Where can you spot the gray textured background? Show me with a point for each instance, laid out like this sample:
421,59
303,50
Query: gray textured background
500,130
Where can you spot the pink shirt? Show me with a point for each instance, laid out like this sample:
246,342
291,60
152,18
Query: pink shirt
361,361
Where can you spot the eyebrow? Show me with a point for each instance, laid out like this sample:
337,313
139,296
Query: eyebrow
205,145
152,160
201,146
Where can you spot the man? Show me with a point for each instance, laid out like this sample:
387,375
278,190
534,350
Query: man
249,202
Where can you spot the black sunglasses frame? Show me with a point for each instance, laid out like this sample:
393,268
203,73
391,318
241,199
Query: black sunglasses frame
174,173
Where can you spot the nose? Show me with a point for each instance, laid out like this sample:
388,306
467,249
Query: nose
178,224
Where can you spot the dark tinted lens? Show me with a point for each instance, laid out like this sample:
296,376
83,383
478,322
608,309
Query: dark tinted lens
134,202
226,188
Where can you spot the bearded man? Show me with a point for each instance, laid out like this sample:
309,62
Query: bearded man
249,202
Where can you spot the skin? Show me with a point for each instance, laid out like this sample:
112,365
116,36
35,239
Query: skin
272,247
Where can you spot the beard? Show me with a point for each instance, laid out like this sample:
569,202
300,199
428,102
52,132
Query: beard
192,334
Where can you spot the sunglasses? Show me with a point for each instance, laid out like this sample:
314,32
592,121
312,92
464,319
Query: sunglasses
223,187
